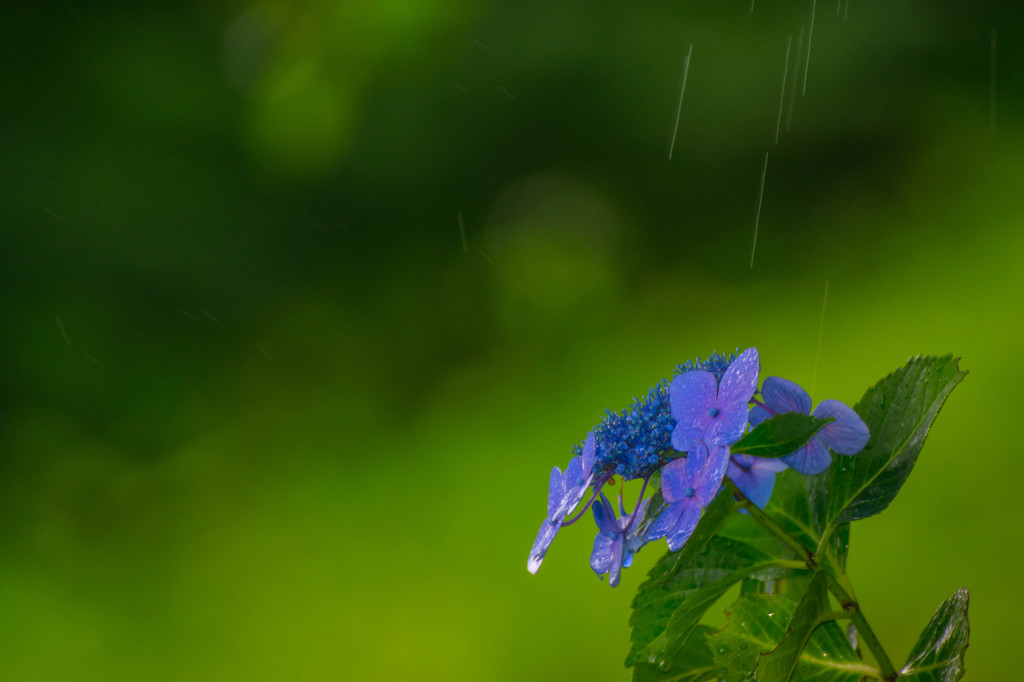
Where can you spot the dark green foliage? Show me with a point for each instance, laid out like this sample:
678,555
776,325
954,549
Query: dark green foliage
692,663
790,555
757,623
898,410
780,435
683,585
779,665
938,655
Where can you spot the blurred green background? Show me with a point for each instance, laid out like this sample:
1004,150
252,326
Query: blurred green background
302,300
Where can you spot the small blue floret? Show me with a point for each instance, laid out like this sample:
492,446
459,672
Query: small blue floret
617,539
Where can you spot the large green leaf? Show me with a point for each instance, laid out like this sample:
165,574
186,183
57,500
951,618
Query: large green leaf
664,590
780,435
938,655
800,504
898,411
683,585
758,622
692,663
778,666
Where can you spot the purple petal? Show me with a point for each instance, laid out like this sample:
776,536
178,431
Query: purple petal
740,380
710,480
812,458
674,479
554,492
635,539
573,477
545,535
728,426
604,515
757,415
627,557
696,461
589,453
574,487
848,434
601,557
691,397
754,480
773,464
782,395
665,523
615,570
684,529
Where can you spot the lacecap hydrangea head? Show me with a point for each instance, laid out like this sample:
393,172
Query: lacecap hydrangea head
637,441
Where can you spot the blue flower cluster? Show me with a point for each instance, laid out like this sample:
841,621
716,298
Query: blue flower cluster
685,429
635,442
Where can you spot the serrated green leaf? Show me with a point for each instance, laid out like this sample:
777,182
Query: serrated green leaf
938,655
898,411
659,595
693,662
757,623
778,666
782,434
682,586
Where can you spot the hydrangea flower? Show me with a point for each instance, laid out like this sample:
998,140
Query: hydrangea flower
565,491
755,476
847,435
712,411
688,485
716,363
617,539
634,442
631,442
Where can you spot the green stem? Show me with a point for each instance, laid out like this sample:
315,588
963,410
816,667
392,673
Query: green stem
838,583
834,615
867,635
772,526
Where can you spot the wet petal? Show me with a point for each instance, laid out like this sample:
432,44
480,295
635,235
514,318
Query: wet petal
573,477
729,425
696,462
589,453
545,535
774,464
753,480
665,523
554,492
740,380
604,515
812,458
691,397
635,539
615,570
848,434
782,395
601,557
684,529
675,480
710,479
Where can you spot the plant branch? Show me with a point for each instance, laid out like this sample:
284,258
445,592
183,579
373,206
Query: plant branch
773,527
867,635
